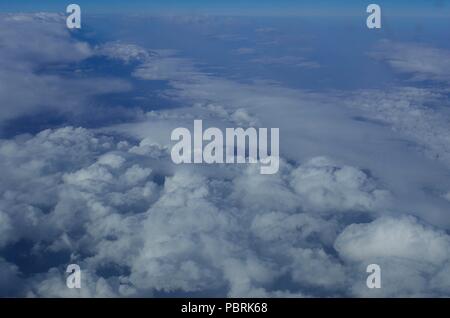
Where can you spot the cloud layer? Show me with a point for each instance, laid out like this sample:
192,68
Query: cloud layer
352,190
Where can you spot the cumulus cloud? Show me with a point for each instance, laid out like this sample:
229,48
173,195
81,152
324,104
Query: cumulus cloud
324,186
100,200
389,237
413,256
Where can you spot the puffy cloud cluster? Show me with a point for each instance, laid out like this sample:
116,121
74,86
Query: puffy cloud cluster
324,186
414,257
390,237
138,227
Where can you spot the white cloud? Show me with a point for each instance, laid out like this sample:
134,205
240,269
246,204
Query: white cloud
124,52
30,44
96,197
38,38
294,228
401,237
413,256
324,186
420,61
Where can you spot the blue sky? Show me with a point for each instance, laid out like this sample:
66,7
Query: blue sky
246,7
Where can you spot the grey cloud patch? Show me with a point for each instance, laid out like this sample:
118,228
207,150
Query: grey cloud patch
420,61
419,114
244,51
32,42
10,281
38,38
294,61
